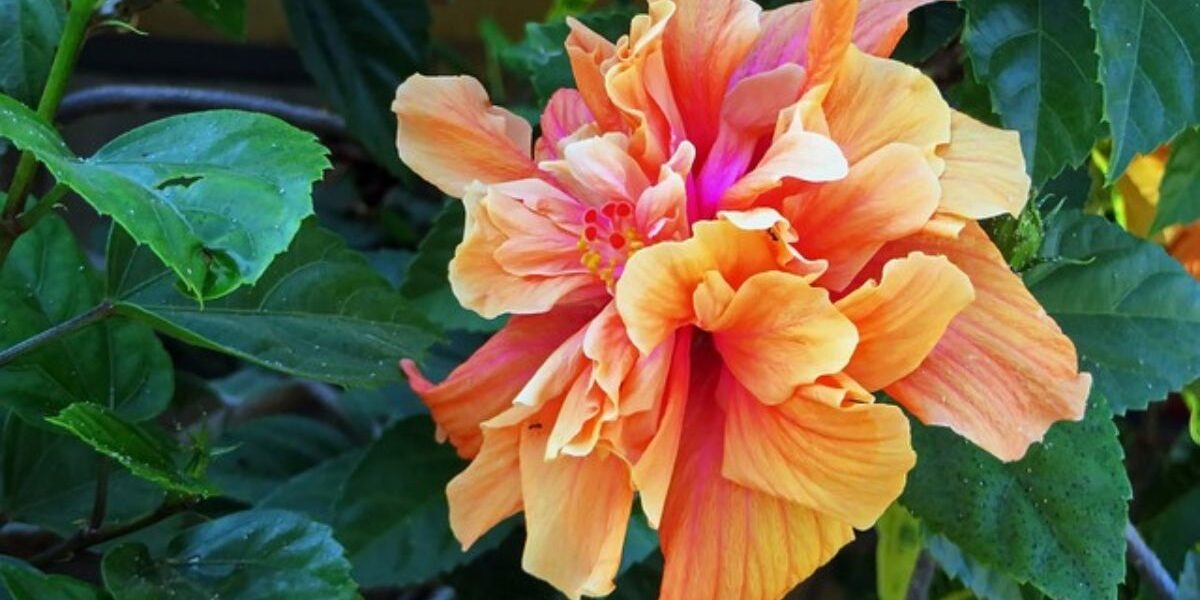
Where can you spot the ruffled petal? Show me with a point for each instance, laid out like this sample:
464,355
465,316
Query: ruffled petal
450,134
565,114
487,492
985,170
488,382
653,469
576,513
591,56
796,156
847,462
881,24
1003,372
722,540
901,318
777,333
1185,247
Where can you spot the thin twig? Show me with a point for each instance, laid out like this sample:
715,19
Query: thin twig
43,206
164,97
68,327
86,538
1147,564
100,500
922,577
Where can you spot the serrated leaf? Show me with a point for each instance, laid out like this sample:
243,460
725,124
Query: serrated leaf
1179,193
24,582
118,363
146,452
318,312
215,194
984,583
358,51
1038,59
393,516
1132,311
426,283
900,543
48,479
29,32
244,556
270,451
1055,519
1150,67
227,16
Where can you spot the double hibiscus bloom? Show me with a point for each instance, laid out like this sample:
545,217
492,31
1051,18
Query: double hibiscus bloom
740,226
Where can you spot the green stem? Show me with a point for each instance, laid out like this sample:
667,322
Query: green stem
74,32
84,538
64,329
43,207
100,500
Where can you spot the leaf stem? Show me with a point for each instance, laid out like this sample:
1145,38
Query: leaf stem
1147,564
78,19
29,218
86,538
922,577
98,313
100,501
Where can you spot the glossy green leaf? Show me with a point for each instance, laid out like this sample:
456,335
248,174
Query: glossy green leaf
319,312
270,451
215,194
24,582
146,452
1179,193
1150,67
359,51
393,517
1175,529
117,363
896,553
1038,59
314,492
1055,519
426,283
1132,311
984,583
542,58
930,28
228,16
48,479
1189,581
251,555
29,32
1191,397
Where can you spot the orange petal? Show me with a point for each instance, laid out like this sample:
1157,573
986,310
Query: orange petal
829,37
985,170
1003,372
488,490
875,102
577,428
591,56
847,462
1185,247
653,469
881,24
613,355
723,540
703,45
486,384
451,135
483,284
654,294
795,156
600,170
565,114
778,332
903,316
888,195
576,513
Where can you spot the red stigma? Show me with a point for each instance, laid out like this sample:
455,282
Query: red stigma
590,216
616,240
624,209
609,210
590,233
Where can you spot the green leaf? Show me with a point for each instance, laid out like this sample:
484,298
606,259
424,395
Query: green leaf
985,583
1019,239
1179,193
1055,519
315,492
393,517
1150,67
426,282
250,555
1189,581
119,364
1132,311
1191,397
542,57
358,51
1173,531
227,16
930,28
319,312
146,452
900,542
29,32
1038,59
48,478
24,582
270,451
215,194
